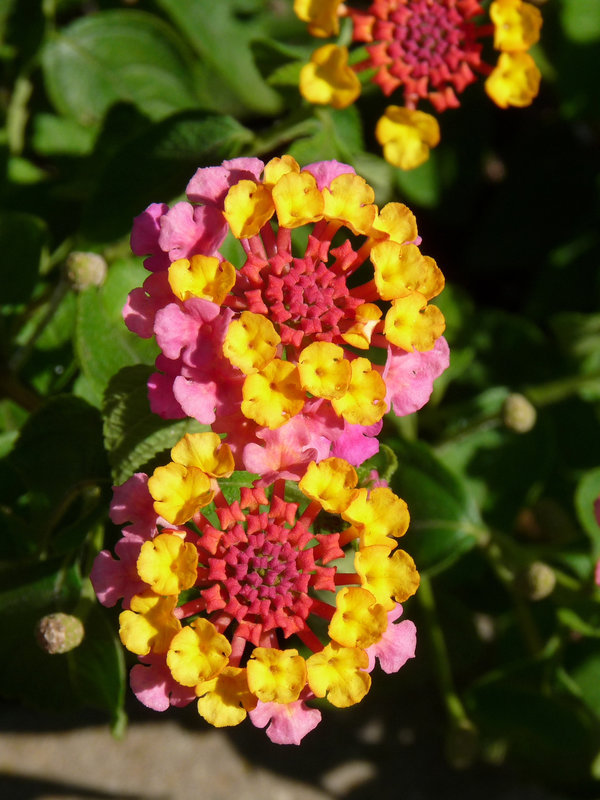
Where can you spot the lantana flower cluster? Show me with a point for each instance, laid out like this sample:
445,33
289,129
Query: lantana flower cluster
262,595
424,50
220,597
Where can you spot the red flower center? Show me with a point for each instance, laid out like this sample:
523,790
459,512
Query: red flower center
303,297
427,46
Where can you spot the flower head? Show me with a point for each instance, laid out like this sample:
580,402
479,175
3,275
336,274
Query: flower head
423,51
287,334
232,607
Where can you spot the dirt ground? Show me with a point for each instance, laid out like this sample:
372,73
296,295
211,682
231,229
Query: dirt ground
382,750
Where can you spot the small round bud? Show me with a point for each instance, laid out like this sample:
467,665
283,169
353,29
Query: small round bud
59,633
536,582
85,270
518,414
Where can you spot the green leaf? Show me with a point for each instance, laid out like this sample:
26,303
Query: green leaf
581,20
385,463
22,241
133,435
223,44
27,673
60,447
445,521
338,136
156,165
53,135
114,56
586,495
421,185
103,343
550,734
97,667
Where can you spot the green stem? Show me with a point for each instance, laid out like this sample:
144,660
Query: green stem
296,126
441,661
555,391
21,355
17,115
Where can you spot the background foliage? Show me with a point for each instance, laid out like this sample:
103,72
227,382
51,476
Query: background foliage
108,106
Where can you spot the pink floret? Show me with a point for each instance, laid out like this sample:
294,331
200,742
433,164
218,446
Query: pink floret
288,723
396,646
155,687
409,377
287,451
325,171
114,579
209,185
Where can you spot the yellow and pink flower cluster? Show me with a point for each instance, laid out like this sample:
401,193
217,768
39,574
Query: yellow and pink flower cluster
261,602
428,50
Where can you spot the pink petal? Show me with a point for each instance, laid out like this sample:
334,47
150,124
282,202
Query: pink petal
210,184
288,723
326,171
186,230
112,578
396,646
409,377
146,229
154,686
357,443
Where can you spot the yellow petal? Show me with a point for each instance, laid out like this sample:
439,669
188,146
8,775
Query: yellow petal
390,578
515,81
517,25
226,699
197,653
272,397
401,269
168,564
364,401
206,451
251,342
380,512
359,621
276,168
276,676
321,15
179,492
297,199
149,624
331,482
338,673
360,332
248,206
328,80
349,199
412,323
324,371
201,276
407,136
398,222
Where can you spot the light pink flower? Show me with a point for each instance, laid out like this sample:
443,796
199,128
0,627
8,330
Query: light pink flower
287,451
113,578
288,723
153,685
209,185
410,376
325,171
396,645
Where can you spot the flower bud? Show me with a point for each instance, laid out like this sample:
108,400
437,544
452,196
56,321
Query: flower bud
59,633
536,582
85,270
518,414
